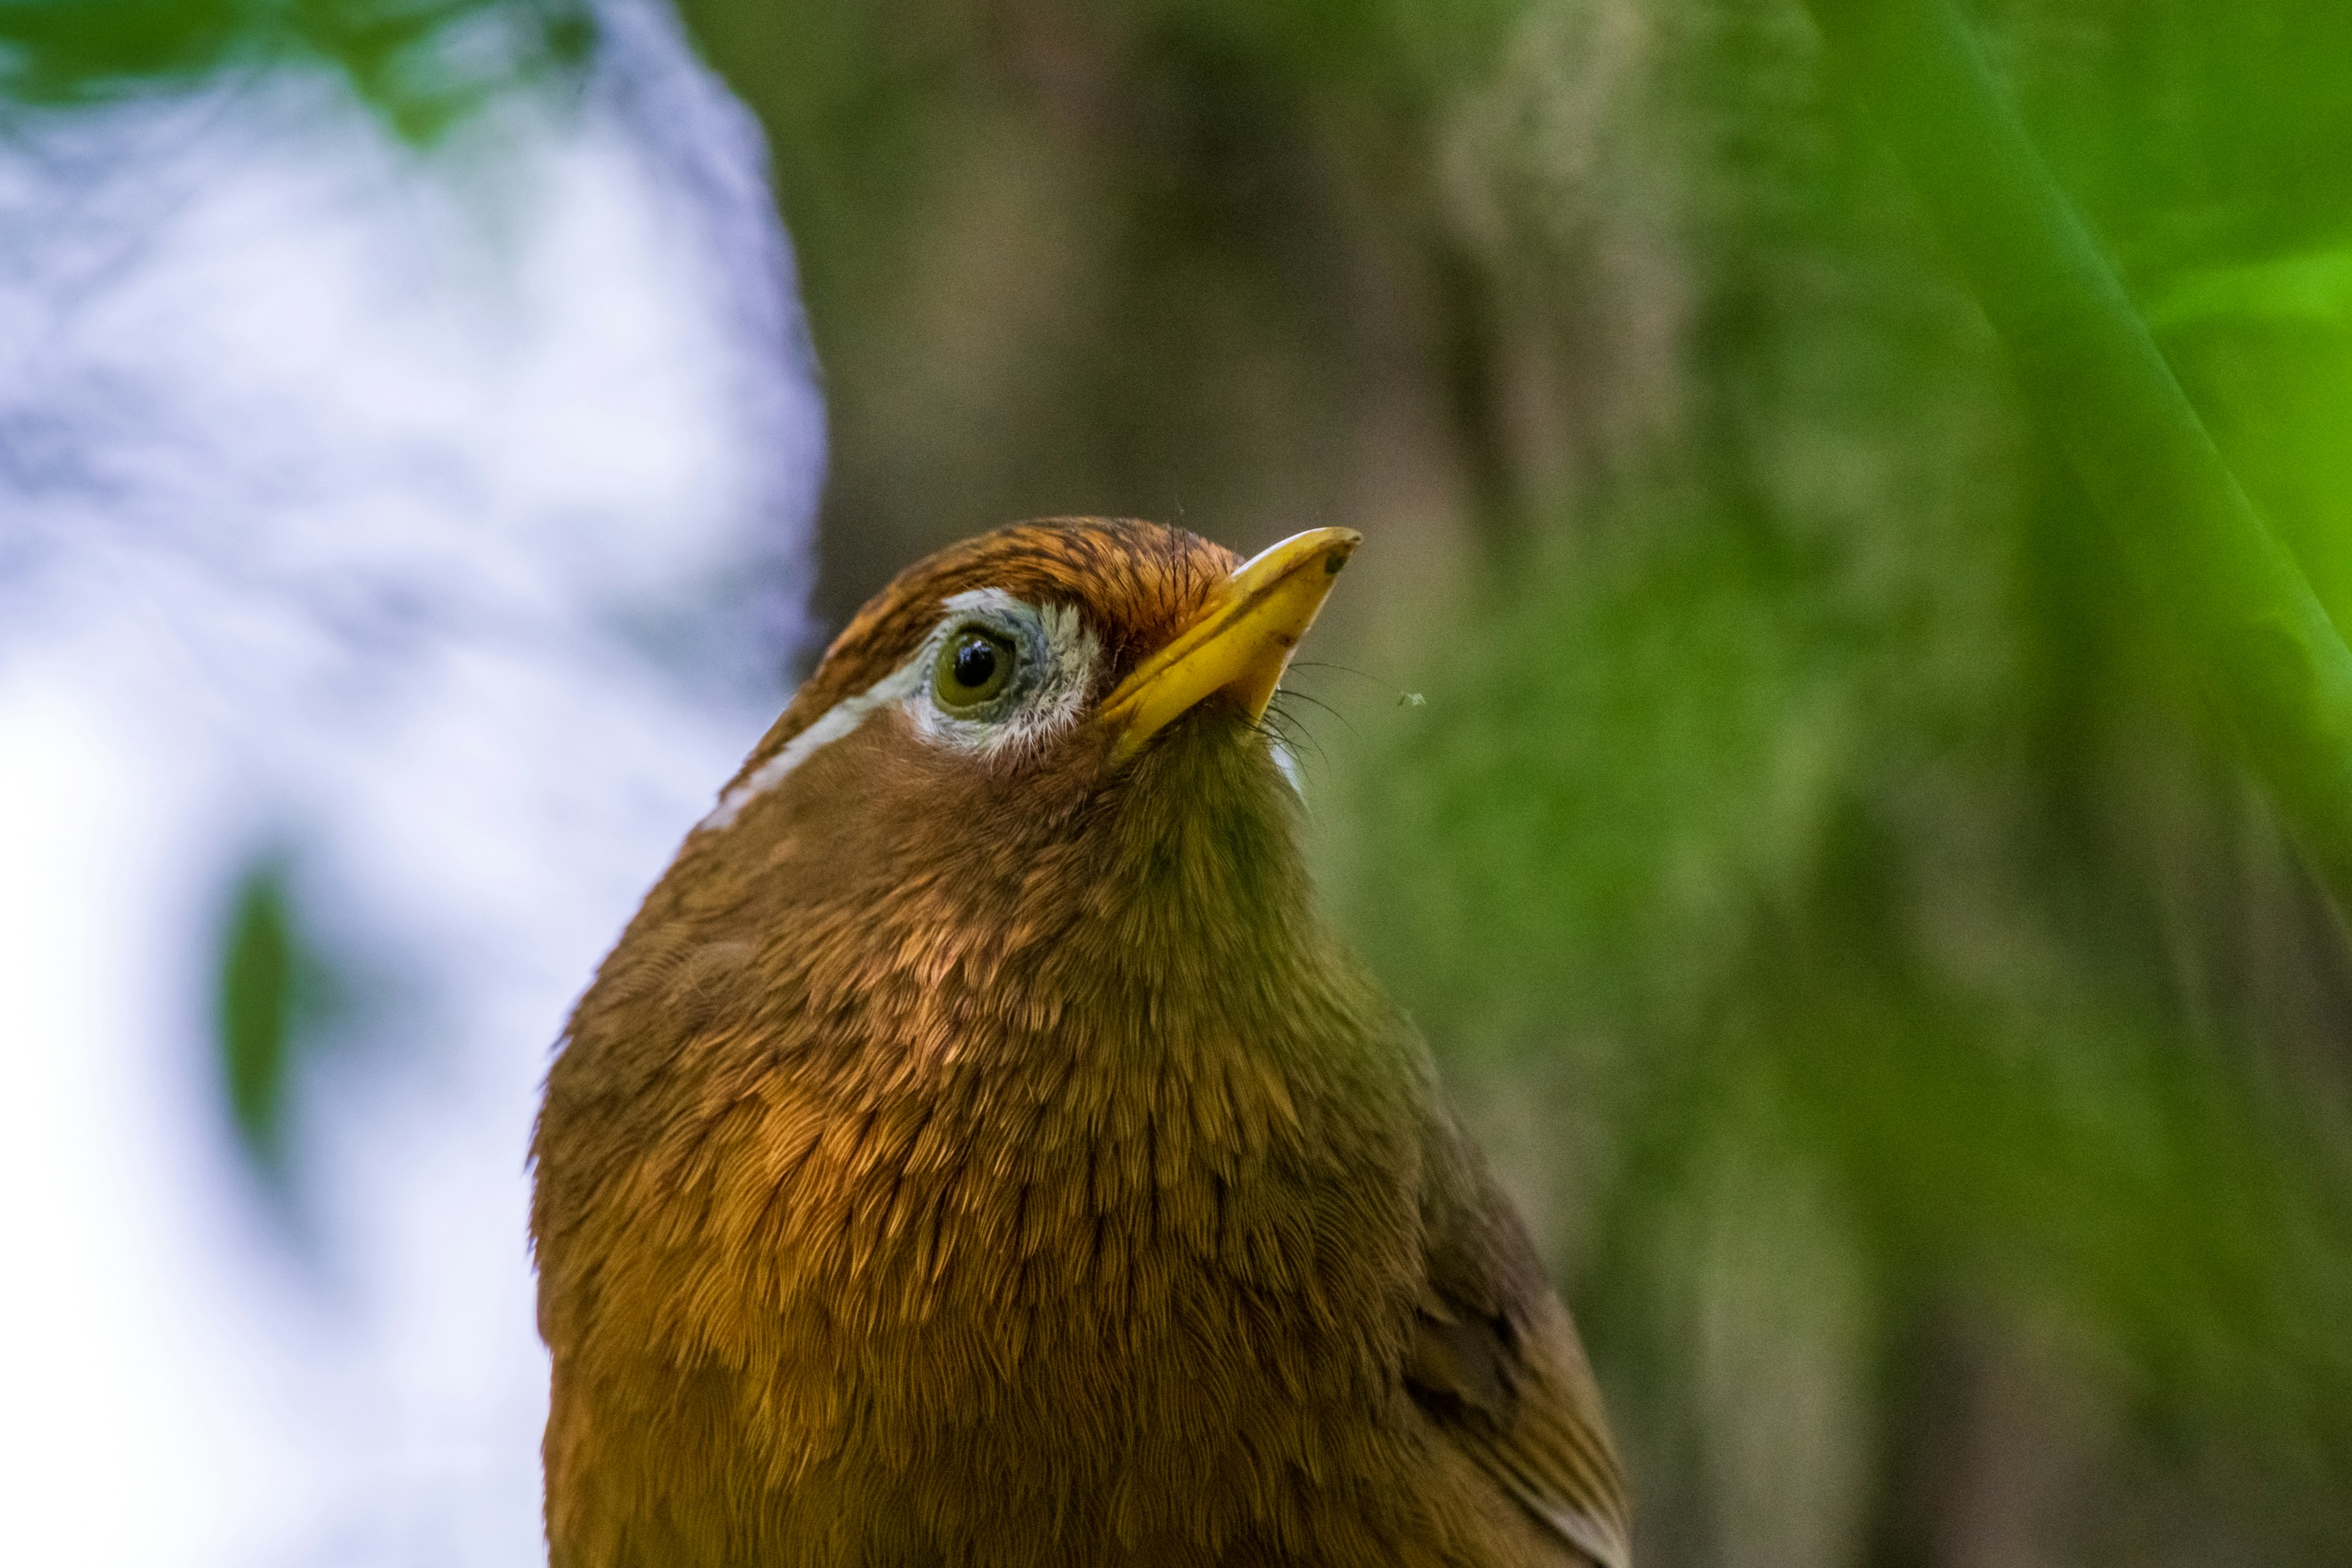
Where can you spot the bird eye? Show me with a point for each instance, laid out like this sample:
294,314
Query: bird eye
974,667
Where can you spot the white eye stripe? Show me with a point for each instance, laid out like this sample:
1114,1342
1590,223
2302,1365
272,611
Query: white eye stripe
842,718
985,601
1055,637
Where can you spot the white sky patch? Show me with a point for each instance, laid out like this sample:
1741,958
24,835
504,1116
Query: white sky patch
439,519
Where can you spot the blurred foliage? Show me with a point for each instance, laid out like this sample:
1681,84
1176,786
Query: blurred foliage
276,997
422,64
2266,345
1916,1039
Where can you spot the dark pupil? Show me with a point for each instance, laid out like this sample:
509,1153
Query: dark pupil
975,662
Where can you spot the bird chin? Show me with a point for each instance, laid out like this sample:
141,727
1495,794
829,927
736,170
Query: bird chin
1213,786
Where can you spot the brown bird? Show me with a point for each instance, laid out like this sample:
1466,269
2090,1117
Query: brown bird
976,1153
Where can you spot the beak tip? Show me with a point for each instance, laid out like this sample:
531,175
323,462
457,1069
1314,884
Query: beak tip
1343,545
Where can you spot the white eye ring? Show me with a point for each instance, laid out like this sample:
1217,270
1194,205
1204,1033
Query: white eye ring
1054,670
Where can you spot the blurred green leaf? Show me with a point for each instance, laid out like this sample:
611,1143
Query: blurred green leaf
2270,661
63,51
2310,288
423,65
275,999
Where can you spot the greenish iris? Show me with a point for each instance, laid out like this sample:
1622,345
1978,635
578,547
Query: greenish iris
974,667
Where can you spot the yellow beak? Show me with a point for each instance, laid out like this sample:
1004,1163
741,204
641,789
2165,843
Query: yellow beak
1240,645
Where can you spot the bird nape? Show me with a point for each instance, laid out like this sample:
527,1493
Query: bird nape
974,1152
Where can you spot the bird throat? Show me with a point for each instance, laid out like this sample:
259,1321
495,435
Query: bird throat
898,1137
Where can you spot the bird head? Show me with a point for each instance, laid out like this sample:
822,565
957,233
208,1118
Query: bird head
1027,734
1061,646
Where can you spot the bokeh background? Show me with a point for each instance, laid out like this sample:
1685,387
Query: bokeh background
1925,1060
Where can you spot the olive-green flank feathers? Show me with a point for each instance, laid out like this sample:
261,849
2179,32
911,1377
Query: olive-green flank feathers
974,1153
